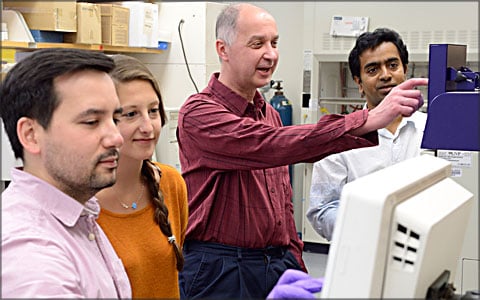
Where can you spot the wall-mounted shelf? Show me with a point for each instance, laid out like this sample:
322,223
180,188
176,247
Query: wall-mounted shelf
94,47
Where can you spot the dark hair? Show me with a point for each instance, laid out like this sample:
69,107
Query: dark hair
371,40
126,69
28,89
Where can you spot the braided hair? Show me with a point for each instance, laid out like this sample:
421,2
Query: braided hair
126,69
152,174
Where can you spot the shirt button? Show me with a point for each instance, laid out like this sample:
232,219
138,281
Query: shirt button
91,236
279,223
272,191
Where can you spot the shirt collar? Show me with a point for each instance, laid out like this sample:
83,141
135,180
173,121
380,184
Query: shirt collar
236,103
416,119
63,207
413,120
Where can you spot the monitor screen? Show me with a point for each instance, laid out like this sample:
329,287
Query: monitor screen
397,231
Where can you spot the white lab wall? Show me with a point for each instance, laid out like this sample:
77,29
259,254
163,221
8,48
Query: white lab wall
198,36
419,24
313,32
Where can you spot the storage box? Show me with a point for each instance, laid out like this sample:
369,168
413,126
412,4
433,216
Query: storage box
143,25
89,25
46,15
115,21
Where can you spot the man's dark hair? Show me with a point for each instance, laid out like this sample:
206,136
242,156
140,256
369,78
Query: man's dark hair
28,90
371,40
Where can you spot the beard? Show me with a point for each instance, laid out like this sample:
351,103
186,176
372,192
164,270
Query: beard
78,176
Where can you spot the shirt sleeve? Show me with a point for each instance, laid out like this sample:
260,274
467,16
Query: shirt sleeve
328,178
242,143
37,268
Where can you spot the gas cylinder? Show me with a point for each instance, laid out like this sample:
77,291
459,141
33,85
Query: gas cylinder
281,104
284,108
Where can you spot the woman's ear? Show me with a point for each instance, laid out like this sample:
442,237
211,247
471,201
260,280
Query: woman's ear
27,132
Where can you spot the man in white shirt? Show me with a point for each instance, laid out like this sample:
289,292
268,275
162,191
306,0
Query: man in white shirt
378,62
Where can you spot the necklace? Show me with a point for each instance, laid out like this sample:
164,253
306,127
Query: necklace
134,203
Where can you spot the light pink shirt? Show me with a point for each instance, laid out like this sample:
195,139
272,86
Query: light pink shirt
52,246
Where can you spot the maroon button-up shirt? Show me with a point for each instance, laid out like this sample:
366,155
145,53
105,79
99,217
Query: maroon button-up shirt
235,156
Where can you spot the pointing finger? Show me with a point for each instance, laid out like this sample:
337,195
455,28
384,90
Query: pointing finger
412,83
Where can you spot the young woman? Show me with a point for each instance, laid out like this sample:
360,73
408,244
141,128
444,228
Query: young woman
145,213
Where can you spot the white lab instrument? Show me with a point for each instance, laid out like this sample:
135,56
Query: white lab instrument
397,231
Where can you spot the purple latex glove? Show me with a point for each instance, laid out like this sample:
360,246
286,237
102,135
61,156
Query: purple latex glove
295,284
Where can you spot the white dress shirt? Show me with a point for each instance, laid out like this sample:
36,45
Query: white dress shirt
333,172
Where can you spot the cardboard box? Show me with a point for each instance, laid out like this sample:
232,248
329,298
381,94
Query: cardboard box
46,15
115,21
89,25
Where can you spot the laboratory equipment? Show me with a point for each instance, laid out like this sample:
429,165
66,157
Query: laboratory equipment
281,104
453,133
398,230
453,101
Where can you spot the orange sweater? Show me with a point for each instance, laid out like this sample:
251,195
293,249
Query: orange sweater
144,250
